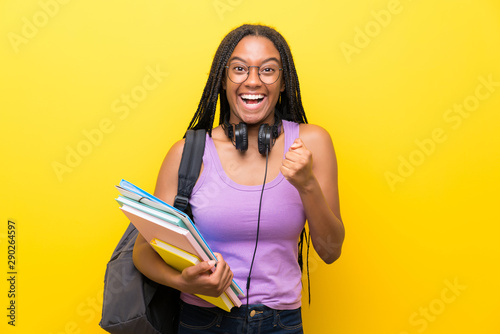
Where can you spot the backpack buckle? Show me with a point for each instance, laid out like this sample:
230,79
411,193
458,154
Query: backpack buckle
181,202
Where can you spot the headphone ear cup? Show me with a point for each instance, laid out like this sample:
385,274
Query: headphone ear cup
228,130
241,137
265,139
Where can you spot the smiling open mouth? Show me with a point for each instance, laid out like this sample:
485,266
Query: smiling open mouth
252,98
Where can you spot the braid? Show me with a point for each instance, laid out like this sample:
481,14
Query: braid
289,106
295,109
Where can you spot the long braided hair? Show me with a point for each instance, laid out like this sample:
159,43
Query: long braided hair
289,106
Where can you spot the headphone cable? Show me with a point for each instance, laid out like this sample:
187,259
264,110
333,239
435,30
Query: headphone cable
258,230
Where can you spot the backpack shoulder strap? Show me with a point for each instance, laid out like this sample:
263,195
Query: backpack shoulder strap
189,169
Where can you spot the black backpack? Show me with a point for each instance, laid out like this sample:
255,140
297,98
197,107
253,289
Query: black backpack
132,303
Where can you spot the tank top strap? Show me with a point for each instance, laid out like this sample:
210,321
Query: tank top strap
212,165
209,162
210,151
211,157
291,130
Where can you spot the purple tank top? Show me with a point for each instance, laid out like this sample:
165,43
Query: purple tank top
226,214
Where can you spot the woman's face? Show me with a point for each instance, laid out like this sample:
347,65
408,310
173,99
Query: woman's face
253,101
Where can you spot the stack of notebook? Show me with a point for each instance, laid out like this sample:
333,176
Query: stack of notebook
173,235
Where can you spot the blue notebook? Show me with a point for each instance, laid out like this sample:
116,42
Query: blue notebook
180,219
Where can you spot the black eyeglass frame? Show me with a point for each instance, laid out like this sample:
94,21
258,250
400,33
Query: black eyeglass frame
280,69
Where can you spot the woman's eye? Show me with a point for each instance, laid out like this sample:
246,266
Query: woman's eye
268,70
239,69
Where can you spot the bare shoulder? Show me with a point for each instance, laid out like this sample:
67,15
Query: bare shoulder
175,151
174,155
315,136
319,142
166,184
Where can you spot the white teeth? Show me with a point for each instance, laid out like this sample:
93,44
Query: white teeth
252,97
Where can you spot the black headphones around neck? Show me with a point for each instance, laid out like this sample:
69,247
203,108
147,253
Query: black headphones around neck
239,135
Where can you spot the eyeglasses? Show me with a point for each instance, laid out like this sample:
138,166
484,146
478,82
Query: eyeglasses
239,72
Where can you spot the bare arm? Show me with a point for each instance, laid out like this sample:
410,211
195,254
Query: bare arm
201,278
317,184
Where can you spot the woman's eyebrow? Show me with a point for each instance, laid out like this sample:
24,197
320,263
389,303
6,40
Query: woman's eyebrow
244,61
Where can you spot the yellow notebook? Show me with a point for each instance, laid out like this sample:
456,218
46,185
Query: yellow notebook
175,257
180,259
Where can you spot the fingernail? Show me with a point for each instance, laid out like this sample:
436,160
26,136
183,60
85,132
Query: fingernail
211,263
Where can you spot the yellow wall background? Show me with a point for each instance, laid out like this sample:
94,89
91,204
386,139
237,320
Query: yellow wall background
409,90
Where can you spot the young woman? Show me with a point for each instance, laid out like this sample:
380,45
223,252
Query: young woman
262,138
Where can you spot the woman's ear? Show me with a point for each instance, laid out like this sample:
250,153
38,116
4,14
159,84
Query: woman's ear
223,83
282,88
